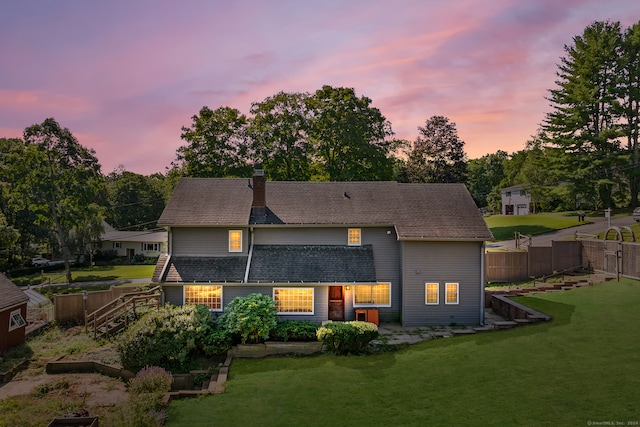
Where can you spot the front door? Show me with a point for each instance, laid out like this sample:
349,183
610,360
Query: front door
336,303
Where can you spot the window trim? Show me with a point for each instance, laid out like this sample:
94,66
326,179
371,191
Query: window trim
356,305
446,293
426,293
116,245
233,240
184,296
295,313
16,321
349,242
155,247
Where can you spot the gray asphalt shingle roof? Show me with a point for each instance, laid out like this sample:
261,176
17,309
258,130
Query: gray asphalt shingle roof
418,211
322,263
10,294
277,263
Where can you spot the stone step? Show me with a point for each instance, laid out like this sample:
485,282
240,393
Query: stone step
507,324
463,331
522,321
484,328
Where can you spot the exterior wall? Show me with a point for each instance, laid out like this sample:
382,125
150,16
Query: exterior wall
521,203
137,249
386,253
441,262
174,294
205,241
9,339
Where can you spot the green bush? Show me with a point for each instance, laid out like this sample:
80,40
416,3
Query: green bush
167,338
348,337
151,379
251,317
214,340
294,330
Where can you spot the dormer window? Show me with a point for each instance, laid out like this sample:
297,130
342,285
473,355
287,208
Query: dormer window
235,240
354,237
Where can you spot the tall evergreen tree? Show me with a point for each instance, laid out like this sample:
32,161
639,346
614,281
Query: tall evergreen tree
584,121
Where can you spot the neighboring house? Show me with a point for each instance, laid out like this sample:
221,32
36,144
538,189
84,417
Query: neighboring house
13,312
129,243
516,200
327,250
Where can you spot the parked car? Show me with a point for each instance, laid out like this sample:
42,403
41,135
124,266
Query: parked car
636,214
39,262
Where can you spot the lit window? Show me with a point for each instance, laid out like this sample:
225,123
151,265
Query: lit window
151,247
16,320
452,293
354,237
235,240
432,293
117,245
293,300
372,295
209,295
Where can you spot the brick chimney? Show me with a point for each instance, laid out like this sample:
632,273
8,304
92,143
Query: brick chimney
259,205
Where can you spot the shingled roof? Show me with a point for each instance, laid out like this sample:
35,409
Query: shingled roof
10,294
418,211
276,263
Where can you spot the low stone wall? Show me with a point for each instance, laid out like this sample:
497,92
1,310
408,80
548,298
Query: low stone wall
504,306
84,367
272,348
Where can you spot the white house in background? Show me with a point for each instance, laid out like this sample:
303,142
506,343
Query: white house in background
127,244
516,200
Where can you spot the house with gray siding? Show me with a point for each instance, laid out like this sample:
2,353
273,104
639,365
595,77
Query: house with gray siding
409,253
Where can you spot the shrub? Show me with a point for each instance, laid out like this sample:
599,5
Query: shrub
294,330
167,338
348,337
251,317
151,379
214,340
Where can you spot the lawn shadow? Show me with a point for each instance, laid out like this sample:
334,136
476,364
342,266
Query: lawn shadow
508,233
560,316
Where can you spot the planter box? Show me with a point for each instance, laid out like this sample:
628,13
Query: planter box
271,348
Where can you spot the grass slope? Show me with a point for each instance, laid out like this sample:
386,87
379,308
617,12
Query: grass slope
504,227
580,367
90,274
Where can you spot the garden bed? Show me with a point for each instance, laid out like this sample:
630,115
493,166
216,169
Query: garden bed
274,348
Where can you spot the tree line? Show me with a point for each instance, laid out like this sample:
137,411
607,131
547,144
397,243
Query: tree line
585,154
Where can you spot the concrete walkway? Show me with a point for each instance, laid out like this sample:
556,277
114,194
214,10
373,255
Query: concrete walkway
394,333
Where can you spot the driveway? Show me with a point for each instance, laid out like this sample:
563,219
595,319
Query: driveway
599,224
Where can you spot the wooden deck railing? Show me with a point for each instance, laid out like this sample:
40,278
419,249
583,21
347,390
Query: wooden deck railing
116,314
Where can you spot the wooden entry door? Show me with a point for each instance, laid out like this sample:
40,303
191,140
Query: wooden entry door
336,303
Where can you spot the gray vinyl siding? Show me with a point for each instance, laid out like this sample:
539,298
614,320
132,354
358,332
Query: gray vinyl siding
205,241
386,252
300,236
441,262
175,296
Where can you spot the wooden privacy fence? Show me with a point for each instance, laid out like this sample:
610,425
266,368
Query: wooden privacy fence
612,257
537,261
73,307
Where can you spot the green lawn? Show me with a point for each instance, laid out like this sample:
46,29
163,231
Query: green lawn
90,274
504,227
582,367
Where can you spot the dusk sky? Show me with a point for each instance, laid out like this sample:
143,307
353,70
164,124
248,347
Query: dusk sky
125,75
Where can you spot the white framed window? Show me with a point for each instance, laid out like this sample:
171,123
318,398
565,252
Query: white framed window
117,245
451,293
378,295
209,295
432,293
151,247
293,300
16,320
235,240
354,237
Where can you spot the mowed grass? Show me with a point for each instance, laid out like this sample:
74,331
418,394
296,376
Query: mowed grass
581,367
504,227
89,274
